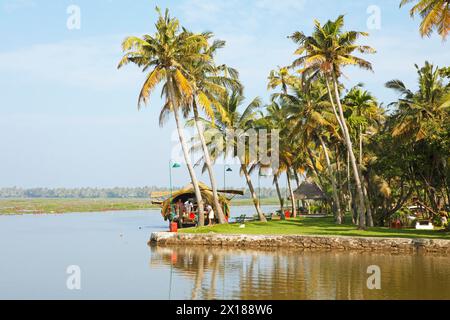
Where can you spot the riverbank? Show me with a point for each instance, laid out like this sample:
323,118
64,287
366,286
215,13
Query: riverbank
309,233
303,242
60,206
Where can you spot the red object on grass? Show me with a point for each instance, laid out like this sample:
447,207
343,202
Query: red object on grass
174,227
192,216
287,214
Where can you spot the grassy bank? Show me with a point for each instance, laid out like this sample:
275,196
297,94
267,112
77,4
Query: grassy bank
316,226
37,206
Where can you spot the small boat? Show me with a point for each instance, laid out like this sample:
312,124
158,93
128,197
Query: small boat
170,202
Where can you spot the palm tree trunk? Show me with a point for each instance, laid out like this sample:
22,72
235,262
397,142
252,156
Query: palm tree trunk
337,204
368,207
261,216
350,192
348,142
339,182
291,192
366,195
360,147
198,194
280,197
297,183
217,207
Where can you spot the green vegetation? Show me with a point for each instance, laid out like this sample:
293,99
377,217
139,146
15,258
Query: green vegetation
39,206
435,16
44,206
316,226
369,159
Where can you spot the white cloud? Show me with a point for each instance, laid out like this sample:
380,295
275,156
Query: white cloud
81,63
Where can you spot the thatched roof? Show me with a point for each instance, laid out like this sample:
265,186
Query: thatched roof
189,193
309,191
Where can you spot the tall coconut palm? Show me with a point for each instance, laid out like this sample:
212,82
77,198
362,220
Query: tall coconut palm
313,123
365,113
229,129
326,52
435,16
277,115
166,56
276,118
210,84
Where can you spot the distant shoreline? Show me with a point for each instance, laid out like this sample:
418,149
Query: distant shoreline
24,206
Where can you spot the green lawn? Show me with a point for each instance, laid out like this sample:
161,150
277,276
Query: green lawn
316,226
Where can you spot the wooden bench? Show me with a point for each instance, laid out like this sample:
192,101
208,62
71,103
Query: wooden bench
241,219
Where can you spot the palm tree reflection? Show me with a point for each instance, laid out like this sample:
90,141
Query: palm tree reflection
214,273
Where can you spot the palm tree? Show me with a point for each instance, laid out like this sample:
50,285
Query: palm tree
280,78
167,55
435,16
325,53
276,119
211,83
231,128
365,113
314,125
431,102
418,120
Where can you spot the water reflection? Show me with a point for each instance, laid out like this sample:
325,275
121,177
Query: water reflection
212,273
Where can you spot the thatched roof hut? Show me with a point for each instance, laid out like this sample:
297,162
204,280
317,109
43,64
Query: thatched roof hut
309,191
188,193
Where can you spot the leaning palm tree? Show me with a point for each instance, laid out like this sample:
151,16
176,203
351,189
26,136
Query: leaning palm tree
210,84
435,16
325,53
167,54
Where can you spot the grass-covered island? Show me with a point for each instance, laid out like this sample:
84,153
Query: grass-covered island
318,227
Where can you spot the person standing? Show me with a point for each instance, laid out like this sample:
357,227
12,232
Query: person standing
211,215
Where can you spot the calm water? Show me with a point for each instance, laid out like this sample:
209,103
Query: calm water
116,263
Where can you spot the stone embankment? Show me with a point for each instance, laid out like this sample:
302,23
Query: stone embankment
340,243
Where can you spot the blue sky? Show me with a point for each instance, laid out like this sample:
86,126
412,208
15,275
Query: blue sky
68,118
